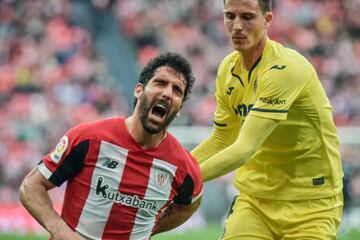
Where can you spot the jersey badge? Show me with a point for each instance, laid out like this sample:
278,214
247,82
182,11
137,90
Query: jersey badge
59,149
161,178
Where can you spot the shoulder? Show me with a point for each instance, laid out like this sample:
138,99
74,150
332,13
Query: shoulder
229,60
279,57
176,147
182,155
284,63
226,66
92,129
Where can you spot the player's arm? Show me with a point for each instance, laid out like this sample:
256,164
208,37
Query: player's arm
252,135
226,124
285,85
187,199
35,198
218,140
175,215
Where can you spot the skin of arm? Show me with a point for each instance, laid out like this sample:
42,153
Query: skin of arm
252,135
175,215
35,198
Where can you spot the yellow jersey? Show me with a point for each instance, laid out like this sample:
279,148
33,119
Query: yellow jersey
300,159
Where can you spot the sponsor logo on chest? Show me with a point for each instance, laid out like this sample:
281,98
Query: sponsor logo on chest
103,190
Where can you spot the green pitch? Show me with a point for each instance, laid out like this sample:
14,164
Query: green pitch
210,233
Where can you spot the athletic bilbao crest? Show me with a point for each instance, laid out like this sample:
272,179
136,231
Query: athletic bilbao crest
161,178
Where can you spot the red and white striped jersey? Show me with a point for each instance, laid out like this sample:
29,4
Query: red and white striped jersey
115,188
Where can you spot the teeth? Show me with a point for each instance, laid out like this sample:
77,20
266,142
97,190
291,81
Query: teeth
161,106
160,109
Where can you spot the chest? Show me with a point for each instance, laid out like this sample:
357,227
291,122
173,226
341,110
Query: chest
118,175
240,91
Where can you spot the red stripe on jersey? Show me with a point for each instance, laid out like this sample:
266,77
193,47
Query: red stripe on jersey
120,222
77,189
134,181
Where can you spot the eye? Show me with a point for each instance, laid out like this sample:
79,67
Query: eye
229,15
248,17
178,90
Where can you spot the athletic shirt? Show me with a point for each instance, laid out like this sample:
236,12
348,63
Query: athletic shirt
115,188
300,159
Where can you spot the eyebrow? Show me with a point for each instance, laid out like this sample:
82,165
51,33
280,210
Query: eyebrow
248,12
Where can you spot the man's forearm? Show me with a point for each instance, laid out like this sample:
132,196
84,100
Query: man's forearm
224,162
39,207
174,215
254,132
35,198
218,140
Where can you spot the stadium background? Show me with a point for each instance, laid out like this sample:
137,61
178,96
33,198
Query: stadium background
63,62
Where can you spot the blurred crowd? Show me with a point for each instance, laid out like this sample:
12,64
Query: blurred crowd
51,78
326,32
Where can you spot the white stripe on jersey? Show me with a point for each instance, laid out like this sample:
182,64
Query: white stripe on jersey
93,218
44,170
197,197
159,188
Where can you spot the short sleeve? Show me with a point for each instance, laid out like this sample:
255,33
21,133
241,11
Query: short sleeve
224,116
278,88
190,190
66,159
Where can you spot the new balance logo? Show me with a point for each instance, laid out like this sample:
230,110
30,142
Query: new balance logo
102,190
110,163
278,67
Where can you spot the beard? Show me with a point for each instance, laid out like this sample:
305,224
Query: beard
145,108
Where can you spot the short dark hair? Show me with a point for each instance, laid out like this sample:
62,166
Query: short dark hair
265,5
176,62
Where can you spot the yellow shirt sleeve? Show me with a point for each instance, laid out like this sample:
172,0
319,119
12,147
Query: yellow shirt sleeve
218,140
279,87
226,125
252,136
224,116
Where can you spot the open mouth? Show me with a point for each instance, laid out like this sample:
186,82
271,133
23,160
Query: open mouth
159,109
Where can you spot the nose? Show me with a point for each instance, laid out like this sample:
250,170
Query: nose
168,91
238,25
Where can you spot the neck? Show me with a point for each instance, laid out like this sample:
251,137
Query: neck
250,56
140,135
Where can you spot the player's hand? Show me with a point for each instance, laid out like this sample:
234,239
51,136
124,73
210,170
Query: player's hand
64,232
70,235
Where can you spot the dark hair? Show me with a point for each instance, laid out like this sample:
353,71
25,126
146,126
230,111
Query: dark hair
265,5
176,62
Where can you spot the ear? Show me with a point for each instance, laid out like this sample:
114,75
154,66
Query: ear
268,19
178,112
139,88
